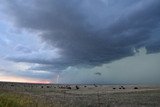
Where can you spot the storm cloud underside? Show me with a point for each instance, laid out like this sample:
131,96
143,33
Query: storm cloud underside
87,33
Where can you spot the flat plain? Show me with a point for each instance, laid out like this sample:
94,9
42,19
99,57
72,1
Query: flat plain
77,95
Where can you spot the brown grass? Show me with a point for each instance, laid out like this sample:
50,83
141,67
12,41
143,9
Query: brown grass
90,96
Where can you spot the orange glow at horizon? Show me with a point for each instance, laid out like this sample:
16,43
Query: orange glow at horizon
23,80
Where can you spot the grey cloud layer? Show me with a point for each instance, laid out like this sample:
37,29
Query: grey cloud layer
89,32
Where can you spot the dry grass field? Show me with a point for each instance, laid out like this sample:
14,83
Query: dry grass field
51,95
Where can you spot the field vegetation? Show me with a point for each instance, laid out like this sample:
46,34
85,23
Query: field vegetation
85,96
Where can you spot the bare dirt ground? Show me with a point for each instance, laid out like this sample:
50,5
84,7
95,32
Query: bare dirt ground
56,95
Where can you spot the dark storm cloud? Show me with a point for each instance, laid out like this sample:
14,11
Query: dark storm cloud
98,73
89,32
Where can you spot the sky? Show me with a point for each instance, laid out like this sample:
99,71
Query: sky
80,41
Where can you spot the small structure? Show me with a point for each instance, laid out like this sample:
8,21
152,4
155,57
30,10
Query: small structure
12,85
77,87
135,87
48,86
122,87
95,85
69,87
